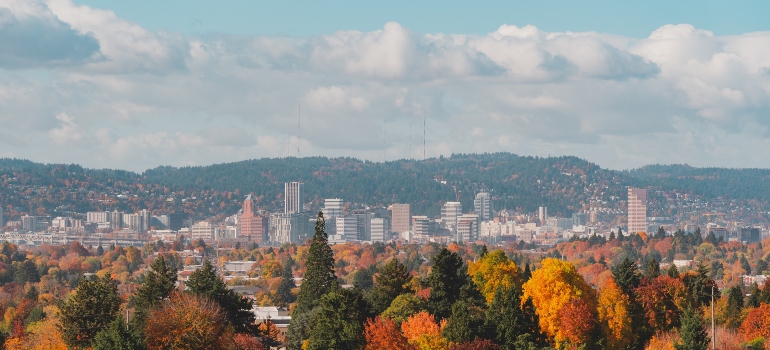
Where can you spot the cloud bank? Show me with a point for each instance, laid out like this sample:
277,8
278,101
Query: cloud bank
79,84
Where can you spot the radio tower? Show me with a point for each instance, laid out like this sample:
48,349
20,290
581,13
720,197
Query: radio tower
384,158
299,123
423,137
410,140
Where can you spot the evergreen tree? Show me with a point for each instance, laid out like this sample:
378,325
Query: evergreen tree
158,285
757,296
761,267
692,332
526,274
99,251
626,275
116,337
362,279
465,324
319,270
661,233
448,282
390,283
653,268
287,284
507,320
673,272
339,321
700,285
204,282
745,264
86,312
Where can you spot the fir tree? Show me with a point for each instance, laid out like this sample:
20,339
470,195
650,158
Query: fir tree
319,270
158,285
116,337
507,320
653,268
673,272
448,282
204,282
362,279
465,323
90,309
626,275
692,332
339,321
700,285
390,283
287,284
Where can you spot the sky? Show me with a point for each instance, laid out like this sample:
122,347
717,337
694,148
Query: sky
139,84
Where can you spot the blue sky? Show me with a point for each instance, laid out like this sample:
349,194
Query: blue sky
135,85
307,18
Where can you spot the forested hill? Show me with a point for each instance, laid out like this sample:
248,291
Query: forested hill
564,184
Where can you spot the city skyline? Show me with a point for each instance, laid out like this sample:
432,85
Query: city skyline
119,90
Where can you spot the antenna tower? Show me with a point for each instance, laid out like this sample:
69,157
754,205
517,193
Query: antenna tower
410,140
423,137
299,123
383,142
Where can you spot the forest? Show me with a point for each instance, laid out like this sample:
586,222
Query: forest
563,184
619,292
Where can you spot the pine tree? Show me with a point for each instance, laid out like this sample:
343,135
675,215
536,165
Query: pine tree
116,337
507,319
339,321
362,279
700,285
653,268
287,284
673,272
90,309
157,286
626,275
319,270
448,282
692,332
204,282
465,323
526,274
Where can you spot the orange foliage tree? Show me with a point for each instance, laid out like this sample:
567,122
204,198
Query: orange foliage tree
757,323
552,287
663,299
577,321
614,315
493,271
185,322
383,334
422,331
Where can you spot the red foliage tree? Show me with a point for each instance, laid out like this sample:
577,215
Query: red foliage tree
382,334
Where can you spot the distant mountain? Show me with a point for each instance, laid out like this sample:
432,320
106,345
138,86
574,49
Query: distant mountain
563,184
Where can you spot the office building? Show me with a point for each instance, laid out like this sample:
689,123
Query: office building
294,199
288,228
363,223
579,219
176,221
750,234
467,228
2,222
637,210
421,226
449,213
483,206
202,230
97,216
116,220
333,207
348,228
145,215
401,218
542,215
380,230
253,225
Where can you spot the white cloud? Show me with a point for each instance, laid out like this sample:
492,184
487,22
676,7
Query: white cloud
136,98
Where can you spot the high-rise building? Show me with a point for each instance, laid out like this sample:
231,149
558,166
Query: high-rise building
542,215
333,207
380,229
288,228
421,225
145,215
637,210
176,221
363,223
449,213
467,228
253,225
578,219
2,223
401,217
97,216
483,206
293,197
116,220
202,230
347,226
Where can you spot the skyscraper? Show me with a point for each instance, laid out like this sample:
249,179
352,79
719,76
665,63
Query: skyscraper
483,206
401,217
637,210
253,225
542,215
449,213
293,197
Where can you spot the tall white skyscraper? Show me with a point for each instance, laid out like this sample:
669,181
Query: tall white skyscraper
2,223
332,207
449,213
542,215
637,210
380,228
483,206
294,197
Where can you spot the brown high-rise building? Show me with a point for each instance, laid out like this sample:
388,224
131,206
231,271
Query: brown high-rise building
637,210
401,218
253,225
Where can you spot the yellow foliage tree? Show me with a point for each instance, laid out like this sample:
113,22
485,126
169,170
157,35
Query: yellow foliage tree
613,315
552,287
493,271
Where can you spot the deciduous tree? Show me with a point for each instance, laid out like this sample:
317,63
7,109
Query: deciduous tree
494,270
614,316
382,333
185,321
422,331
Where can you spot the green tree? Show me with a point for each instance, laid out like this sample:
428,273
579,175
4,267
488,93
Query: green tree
319,276
390,283
626,275
402,307
700,285
116,337
204,282
673,272
339,321
92,306
745,264
465,324
299,328
507,320
692,332
284,291
448,282
653,268
757,296
362,279
157,286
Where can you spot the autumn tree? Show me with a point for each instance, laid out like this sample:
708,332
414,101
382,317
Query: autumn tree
269,334
478,344
205,283
757,323
422,331
185,321
382,333
492,271
91,307
613,312
552,287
